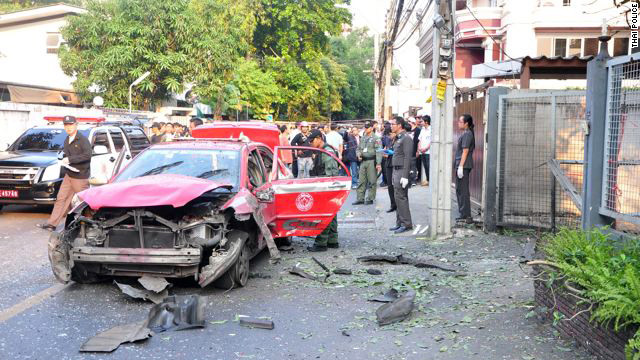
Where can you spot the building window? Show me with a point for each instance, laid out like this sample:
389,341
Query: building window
566,2
620,46
575,47
590,46
560,47
53,42
544,47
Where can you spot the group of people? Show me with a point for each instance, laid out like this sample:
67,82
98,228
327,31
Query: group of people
167,131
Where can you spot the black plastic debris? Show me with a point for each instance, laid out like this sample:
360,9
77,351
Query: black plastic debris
342,272
389,296
374,272
257,275
397,310
256,323
143,294
177,312
405,260
297,270
109,340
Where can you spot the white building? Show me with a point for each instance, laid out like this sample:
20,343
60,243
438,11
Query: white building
29,65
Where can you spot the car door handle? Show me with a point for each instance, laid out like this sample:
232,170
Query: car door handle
337,185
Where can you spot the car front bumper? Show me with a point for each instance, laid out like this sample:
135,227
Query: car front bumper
41,193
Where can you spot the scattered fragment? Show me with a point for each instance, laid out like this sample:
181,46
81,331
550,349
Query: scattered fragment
401,259
396,310
109,340
345,333
374,272
297,270
438,338
326,269
389,296
259,276
217,322
286,248
342,272
155,284
143,294
256,323
444,349
177,313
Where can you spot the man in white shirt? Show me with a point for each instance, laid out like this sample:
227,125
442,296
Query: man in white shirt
335,139
424,146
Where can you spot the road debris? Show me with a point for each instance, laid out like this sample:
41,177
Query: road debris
529,250
297,270
397,310
326,269
342,272
257,275
389,296
143,294
374,272
404,260
177,312
256,323
155,284
109,340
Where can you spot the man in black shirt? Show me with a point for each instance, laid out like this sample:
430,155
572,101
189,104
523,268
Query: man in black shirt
76,165
305,162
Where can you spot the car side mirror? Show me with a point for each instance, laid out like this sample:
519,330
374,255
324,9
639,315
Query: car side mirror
100,150
266,195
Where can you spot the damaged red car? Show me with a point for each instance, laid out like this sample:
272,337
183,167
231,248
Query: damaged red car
199,208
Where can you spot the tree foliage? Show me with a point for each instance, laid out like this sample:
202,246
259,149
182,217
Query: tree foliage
355,52
177,41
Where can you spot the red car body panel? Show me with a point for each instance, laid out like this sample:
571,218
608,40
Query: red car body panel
261,132
153,190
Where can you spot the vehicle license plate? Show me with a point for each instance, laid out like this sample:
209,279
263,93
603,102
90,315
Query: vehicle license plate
8,193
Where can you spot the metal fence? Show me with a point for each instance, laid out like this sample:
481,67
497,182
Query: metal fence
621,186
540,157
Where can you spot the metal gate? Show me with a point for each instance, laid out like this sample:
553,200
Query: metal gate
540,158
621,172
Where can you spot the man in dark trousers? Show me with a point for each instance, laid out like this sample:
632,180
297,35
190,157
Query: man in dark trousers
324,166
389,169
76,167
402,162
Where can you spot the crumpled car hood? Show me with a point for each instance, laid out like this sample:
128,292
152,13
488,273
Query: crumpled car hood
153,190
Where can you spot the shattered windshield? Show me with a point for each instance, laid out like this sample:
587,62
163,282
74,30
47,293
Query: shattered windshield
217,165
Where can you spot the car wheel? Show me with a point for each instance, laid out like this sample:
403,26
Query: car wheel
81,275
238,274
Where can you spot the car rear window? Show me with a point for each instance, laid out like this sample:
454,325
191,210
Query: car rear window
137,137
43,139
217,165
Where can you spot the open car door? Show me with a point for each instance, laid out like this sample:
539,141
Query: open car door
305,207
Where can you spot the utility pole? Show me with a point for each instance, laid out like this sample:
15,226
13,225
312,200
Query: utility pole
384,76
376,73
441,167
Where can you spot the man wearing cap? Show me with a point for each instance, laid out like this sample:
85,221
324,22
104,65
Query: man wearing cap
305,162
324,166
370,154
76,165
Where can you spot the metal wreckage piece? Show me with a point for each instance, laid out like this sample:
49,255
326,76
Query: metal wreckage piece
396,310
174,313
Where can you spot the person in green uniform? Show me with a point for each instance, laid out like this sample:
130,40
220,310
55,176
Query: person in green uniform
324,166
370,155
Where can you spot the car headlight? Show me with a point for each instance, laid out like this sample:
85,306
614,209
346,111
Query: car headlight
51,173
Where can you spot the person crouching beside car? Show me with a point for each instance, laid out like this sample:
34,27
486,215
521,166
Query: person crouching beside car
77,156
324,166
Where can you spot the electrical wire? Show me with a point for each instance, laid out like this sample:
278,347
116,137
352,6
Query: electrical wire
491,36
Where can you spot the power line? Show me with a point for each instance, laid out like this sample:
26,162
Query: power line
416,27
491,36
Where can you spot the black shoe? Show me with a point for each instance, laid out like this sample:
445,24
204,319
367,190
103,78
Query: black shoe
358,202
46,226
395,228
333,246
316,248
402,229
391,210
368,202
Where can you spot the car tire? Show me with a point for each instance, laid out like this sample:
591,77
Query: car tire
238,274
81,275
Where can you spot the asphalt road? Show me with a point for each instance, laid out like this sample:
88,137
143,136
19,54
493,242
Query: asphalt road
483,315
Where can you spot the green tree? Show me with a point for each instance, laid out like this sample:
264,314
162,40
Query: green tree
177,41
256,87
291,40
355,53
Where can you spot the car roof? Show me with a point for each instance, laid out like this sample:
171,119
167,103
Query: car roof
80,127
203,144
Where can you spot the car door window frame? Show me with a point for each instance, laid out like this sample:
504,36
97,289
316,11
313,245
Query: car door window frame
124,140
107,137
254,154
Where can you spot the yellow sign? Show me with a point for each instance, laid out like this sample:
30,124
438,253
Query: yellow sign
441,89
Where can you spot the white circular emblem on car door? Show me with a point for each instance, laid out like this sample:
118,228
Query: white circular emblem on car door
304,201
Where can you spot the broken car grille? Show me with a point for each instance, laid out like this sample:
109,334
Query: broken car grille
128,236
